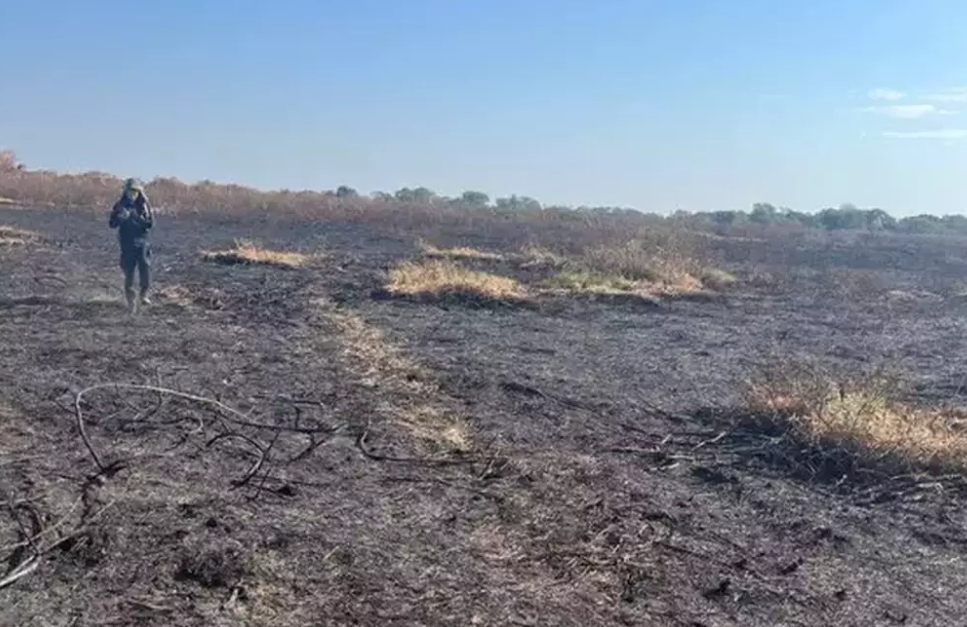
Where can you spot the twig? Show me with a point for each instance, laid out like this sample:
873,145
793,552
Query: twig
258,463
80,529
30,565
21,571
265,476
144,605
361,445
43,532
83,431
28,535
714,440
237,416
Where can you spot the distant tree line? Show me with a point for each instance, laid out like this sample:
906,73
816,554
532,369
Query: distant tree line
92,188
470,199
845,218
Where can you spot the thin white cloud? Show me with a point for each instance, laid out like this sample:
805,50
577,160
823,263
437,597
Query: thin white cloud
886,94
947,133
906,112
953,94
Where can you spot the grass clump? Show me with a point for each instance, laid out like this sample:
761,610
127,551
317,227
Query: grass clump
245,253
631,261
636,266
584,280
861,423
441,277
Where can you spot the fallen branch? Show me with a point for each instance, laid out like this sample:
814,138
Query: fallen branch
235,416
238,417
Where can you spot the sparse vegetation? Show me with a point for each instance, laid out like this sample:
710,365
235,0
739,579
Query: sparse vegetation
245,252
861,420
637,266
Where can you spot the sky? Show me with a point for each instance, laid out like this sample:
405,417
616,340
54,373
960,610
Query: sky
653,104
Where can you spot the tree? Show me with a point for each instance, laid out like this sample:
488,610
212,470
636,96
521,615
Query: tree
518,203
475,199
344,191
727,218
8,161
763,213
418,195
921,224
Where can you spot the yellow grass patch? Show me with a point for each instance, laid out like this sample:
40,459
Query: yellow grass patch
460,252
417,401
592,282
446,277
246,252
865,420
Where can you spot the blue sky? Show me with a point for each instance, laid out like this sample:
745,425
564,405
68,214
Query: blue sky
655,104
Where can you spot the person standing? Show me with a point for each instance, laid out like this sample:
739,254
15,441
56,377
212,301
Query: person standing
133,219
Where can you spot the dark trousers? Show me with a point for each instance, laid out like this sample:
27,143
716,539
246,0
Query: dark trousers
136,258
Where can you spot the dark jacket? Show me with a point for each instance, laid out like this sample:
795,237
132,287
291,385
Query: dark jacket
132,228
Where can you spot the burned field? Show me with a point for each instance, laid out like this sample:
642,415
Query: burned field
334,426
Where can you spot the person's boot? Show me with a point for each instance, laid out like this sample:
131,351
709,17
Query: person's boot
132,303
143,298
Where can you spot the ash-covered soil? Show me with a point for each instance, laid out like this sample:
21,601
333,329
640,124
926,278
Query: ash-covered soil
281,447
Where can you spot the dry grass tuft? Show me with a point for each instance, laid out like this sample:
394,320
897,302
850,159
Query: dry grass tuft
633,261
863,420
460,252
583,280
715,279
441,277
638,266
533,256
10,236
176,295
246,252
656,279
